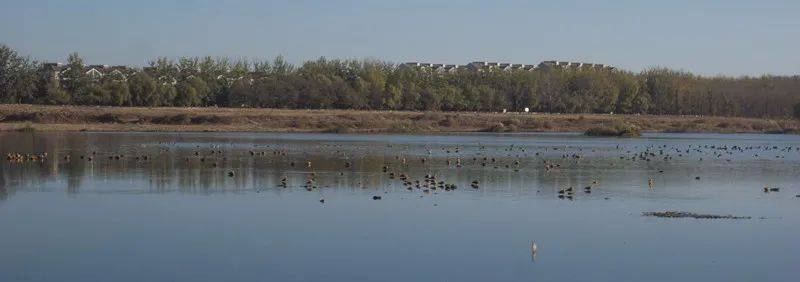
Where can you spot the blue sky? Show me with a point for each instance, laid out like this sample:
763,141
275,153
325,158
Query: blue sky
707,37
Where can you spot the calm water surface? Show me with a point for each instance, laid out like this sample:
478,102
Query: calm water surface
179,216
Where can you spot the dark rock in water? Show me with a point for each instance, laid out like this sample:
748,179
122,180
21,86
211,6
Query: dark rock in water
679,214
231,173
377,197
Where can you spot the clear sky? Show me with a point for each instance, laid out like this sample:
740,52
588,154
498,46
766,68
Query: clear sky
729,37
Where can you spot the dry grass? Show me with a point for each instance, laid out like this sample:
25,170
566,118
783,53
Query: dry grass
72,118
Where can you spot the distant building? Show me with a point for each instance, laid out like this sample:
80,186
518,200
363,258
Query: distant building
573,65
119,73
430,66
95,72
167,80
481,66
51,71
451,68
57,71
477,66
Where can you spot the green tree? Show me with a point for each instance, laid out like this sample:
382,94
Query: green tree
186,95
75,81
394,97
191,92
118,93
628,90
51,92
17,77
142,89
373,84
641,104
164,96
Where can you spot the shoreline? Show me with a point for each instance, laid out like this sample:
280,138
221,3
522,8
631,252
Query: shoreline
16,117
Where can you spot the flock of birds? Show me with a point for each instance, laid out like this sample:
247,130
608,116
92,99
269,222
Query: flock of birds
511,157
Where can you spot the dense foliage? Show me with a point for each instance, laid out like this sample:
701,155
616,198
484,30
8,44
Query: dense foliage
370,84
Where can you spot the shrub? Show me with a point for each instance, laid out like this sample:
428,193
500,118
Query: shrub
406,127
446,122
618,130
34,117
501,127
340,129
173,119
210,119
797,111
106,118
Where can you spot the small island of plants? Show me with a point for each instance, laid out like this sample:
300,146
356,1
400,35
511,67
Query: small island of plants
618,129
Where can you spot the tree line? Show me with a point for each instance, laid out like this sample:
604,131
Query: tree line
379,85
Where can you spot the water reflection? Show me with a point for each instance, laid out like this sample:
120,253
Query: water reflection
519,166
167,201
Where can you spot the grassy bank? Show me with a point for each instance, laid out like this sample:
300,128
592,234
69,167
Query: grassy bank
71,118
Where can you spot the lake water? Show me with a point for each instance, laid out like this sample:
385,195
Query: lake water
213,207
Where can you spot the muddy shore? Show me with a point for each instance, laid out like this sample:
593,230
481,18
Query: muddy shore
77,118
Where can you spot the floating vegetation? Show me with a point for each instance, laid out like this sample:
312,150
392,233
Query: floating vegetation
679,214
